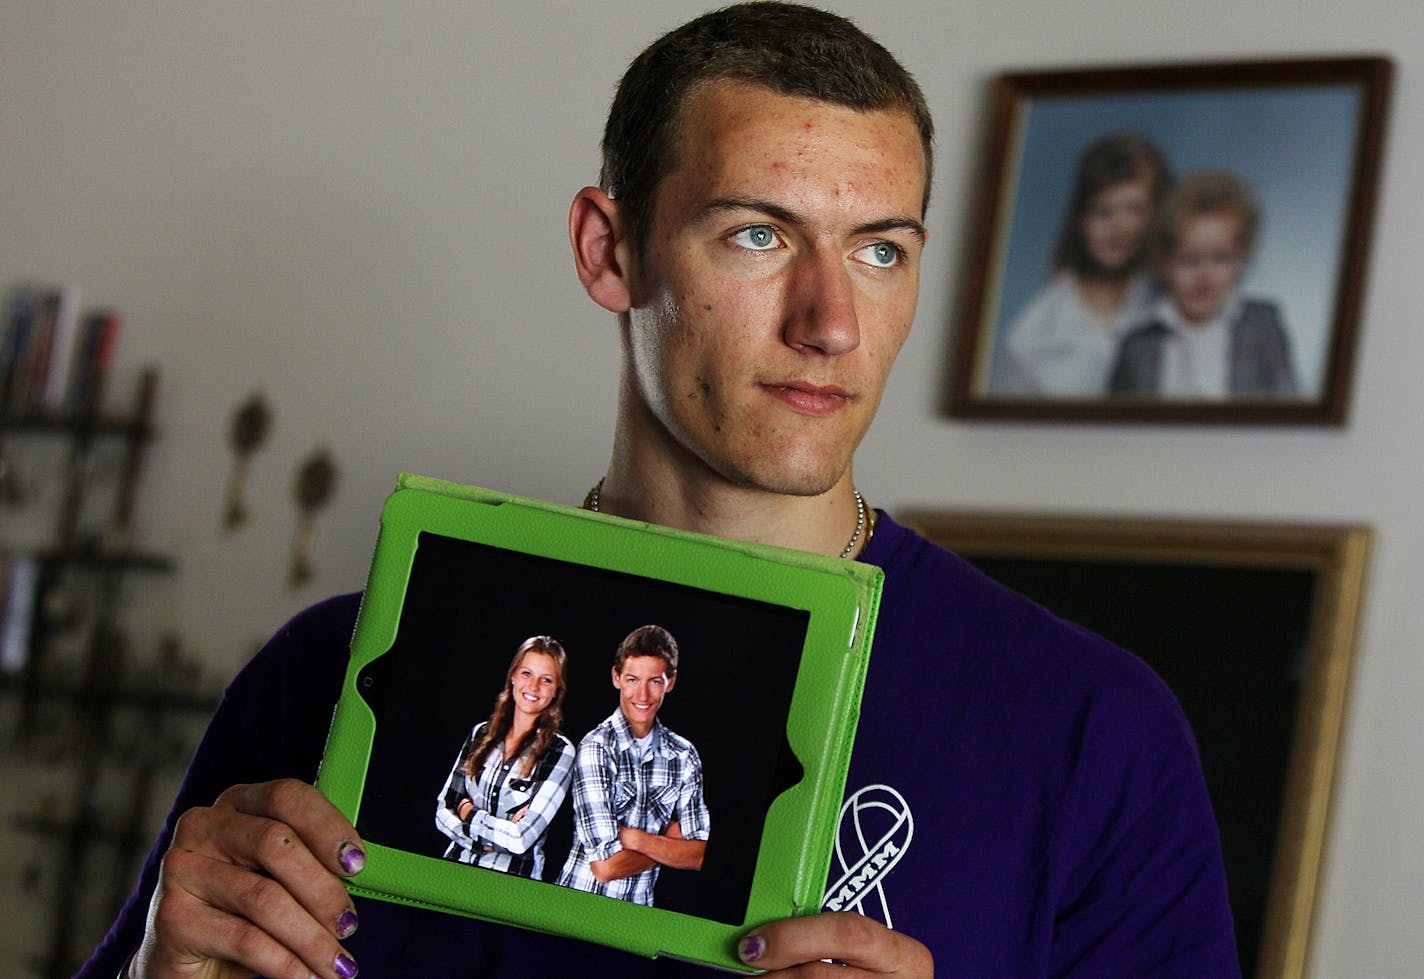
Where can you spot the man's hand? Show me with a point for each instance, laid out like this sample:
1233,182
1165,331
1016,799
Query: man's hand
797,946
253,884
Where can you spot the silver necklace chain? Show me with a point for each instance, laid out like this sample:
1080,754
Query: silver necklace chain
590,502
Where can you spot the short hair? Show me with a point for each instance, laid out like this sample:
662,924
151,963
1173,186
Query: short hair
1205,192
1114,159
648,640
788,48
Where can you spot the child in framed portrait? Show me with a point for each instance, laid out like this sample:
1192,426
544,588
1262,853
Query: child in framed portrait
1206,341
1062,344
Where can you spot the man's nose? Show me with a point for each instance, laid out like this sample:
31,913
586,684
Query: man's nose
820,313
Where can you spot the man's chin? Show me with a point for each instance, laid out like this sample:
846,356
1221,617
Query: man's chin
785,483
787,474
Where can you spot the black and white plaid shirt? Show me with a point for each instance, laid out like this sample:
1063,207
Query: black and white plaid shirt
617,786
490,837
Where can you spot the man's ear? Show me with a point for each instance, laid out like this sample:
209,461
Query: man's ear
616,682
671,682
601,249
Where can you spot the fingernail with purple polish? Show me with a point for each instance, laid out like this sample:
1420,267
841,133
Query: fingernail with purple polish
351,857
346,924
751,948
345,966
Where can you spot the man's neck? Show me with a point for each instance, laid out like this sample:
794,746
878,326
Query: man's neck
640,732
822,524
652,478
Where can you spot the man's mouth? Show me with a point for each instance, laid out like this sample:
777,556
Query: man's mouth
816,400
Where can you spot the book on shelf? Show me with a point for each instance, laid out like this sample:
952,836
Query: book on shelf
34,359
94,353
19,579
20,318
62,305
51,359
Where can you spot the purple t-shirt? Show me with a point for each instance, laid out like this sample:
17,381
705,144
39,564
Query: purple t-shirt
1024,798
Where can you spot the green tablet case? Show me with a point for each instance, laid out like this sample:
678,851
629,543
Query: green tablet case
839,598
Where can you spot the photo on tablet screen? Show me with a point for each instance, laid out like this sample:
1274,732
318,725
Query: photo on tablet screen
588,728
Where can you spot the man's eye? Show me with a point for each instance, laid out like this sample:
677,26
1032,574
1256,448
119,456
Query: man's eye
759,237
881,254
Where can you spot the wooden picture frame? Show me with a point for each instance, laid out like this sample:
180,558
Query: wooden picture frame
1253,626
1066,261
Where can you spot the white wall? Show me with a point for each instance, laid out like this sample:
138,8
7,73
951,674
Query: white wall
359,208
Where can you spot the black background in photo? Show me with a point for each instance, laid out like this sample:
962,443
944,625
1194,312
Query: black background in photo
467,609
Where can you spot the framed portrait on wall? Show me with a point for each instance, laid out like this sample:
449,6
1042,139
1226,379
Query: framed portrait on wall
1171,243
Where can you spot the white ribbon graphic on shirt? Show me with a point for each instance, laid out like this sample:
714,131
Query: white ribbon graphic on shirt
861,876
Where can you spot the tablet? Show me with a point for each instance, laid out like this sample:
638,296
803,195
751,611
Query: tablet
704,697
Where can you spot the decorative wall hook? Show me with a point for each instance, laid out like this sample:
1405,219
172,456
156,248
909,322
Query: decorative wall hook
251,422
315,484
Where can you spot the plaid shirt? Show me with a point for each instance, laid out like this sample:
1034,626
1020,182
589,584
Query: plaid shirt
488,836
615,787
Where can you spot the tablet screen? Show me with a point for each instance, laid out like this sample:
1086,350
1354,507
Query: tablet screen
469,609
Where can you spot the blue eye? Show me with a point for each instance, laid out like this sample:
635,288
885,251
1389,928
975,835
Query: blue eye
881,254
759,237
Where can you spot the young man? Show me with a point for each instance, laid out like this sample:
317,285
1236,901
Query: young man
1023,799
661,820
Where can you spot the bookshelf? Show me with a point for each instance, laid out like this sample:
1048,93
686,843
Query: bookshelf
95,723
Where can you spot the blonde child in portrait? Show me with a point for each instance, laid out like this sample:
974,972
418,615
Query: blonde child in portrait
1205,340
